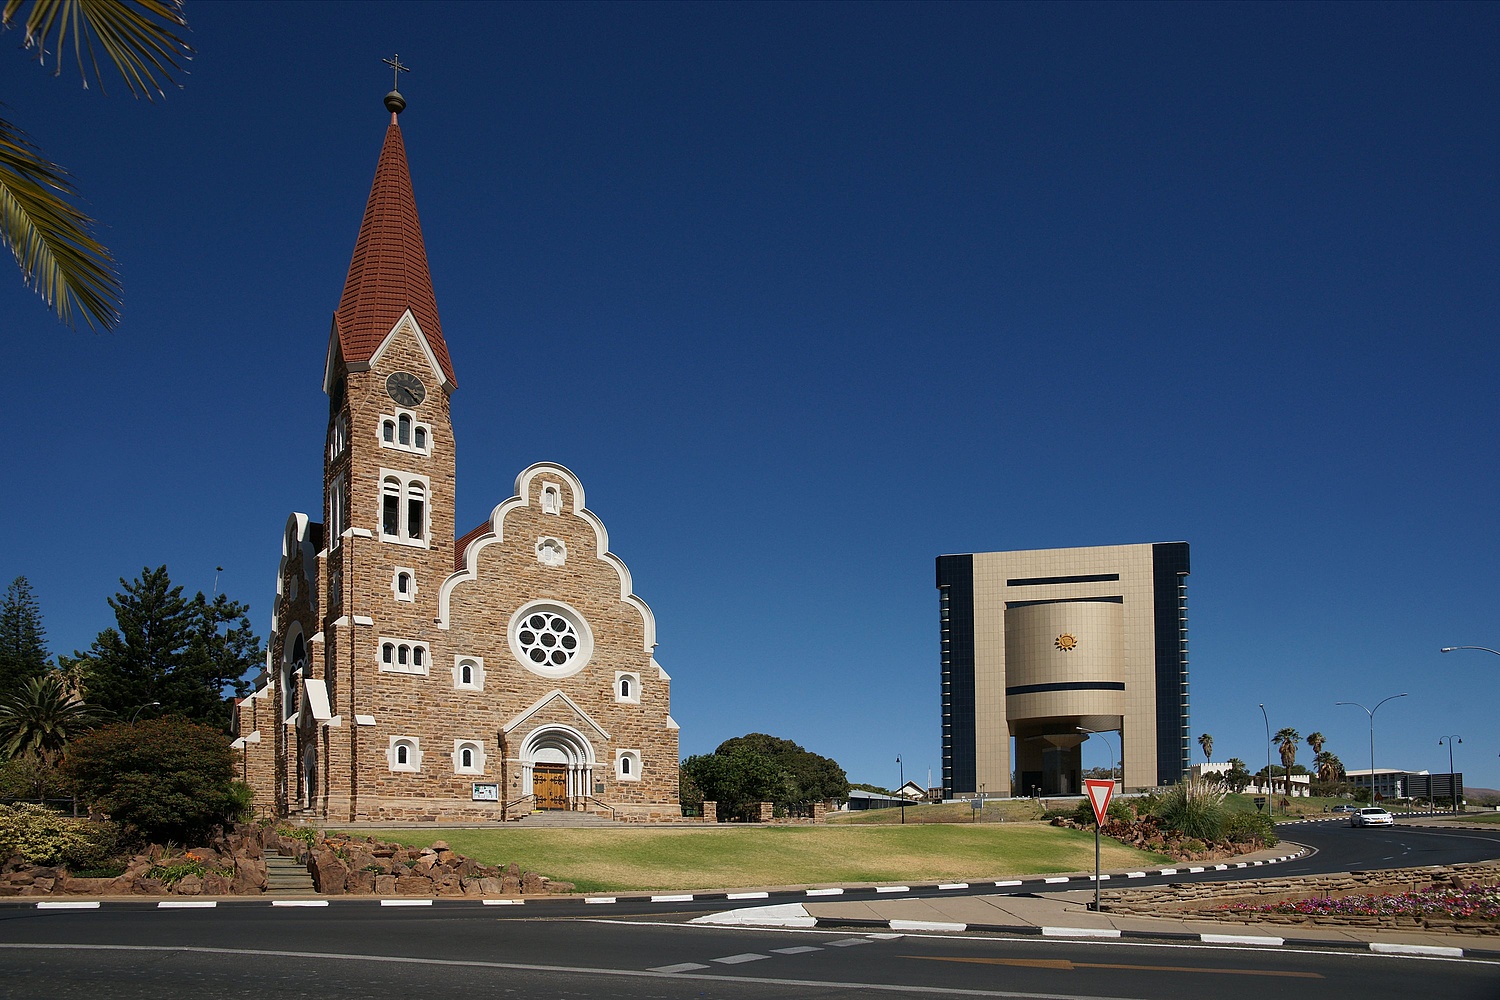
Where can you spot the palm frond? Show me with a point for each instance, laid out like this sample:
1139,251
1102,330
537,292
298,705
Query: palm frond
138,36
52,239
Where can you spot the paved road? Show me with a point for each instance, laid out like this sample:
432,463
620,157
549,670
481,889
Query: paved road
562,949
332,954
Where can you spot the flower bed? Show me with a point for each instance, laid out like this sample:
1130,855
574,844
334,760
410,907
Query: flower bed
1470,903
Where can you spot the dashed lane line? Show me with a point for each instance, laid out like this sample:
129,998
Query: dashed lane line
749,956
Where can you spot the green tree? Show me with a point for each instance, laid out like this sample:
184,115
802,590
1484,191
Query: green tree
1316,741
1329,767
165,648
803,776
736,779
52,239
1206,741
1287,740
167,778
1238,777
23,640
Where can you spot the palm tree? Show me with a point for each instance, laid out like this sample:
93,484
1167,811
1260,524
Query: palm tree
1286,741
39,719
51,238
1329,767
1316,741
1206,741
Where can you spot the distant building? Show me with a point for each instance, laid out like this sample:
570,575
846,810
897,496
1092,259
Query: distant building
1301,783
1391,783
1038,646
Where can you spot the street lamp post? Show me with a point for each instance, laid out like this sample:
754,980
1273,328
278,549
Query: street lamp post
137,713
1371,713
1452,782
902,790
1111,750
1449,649
1270,799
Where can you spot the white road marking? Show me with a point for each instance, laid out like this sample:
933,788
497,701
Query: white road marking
679,898
848,942
1135,874
187,904
299,902
825,892
682,967
748,956
1261,939
926,925
893,888
948,886
68,905
748,895
1087,932
1435,951
1055,880
1012,881
600,899
801,949
406,902
505,902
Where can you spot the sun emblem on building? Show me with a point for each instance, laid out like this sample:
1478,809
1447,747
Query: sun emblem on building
1066,642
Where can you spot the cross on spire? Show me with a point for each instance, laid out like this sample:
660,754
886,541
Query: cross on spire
396,70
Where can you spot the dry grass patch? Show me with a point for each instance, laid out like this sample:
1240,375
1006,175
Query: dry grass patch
642,859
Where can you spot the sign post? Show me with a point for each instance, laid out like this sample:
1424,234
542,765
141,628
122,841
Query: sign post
1099,794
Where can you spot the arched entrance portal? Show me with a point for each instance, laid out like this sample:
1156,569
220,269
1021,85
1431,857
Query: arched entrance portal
557,766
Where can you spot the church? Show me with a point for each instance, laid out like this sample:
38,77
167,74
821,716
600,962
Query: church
415,673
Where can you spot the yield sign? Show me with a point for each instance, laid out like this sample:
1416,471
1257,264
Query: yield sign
1099,793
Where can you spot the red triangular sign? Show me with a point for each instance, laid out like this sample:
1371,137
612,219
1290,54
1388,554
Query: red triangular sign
1099,793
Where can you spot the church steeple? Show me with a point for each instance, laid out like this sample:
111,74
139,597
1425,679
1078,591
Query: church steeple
388,273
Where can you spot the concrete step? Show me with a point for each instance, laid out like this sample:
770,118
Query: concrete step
285,875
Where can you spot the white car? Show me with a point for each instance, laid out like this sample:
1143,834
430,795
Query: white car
1372,816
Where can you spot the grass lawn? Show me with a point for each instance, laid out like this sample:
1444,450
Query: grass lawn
605,860
994,811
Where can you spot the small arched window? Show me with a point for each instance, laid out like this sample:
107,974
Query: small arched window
390,507
403,655
466,757
466,673
403,753
403,583
624,687
416,657
625,766
416,510
403,429
419,438
388,431
388,653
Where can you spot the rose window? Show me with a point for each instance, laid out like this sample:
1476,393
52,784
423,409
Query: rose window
547,639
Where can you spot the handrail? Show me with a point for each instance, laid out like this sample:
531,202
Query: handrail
606,805
516,802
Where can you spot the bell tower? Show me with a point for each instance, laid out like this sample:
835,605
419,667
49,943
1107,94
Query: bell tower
388,471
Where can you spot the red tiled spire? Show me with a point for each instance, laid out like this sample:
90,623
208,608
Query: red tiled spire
388,273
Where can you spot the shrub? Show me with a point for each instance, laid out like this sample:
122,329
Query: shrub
42,837
166,778
1244,827
1194,808
1119,811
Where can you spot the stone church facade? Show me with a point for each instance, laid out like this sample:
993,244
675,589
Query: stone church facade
413,673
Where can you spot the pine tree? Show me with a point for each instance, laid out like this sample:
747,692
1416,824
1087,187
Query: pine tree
176,652
23,640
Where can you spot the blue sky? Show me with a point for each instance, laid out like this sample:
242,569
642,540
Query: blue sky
810,294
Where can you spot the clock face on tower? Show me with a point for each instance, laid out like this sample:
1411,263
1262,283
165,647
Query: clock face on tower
405,388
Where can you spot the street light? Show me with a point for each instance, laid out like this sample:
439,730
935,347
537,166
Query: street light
1270,798
1449,649
1371,713
902,790
137,713
1111,750
1452,781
